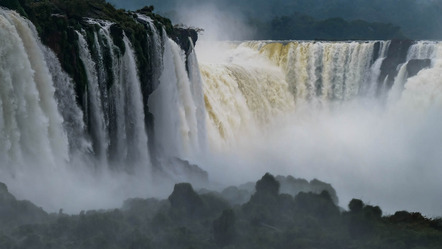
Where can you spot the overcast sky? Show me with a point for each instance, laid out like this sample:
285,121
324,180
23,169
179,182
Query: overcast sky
418,19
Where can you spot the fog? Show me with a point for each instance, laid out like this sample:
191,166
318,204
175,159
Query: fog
386,153
393,162
217,24
81,186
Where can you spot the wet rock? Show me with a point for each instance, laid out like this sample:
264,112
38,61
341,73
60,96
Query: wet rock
414,66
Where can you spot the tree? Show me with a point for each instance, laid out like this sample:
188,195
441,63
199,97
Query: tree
224,228
355,205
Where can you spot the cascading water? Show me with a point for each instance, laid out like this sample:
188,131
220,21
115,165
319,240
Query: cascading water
155,44
335,123
312,109
241,94
118,108
135,127
369,89
420,51
31,126
66,99
46,137
198,96
173,107
322,70
96,118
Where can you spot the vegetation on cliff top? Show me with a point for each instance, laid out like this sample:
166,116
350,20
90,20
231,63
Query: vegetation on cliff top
191,220
58,20
303,27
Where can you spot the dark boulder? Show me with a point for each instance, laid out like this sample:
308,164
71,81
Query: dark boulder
414,66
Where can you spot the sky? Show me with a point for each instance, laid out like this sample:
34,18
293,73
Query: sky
230,19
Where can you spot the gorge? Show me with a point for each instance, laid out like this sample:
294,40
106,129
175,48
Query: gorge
108,109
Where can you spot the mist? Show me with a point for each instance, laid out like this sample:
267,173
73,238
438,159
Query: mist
82,186
217,24
385,153
392,162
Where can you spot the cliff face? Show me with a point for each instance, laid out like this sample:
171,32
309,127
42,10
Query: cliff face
57,21
397,54
115,60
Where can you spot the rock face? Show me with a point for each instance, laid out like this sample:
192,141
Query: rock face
101,84
183,37
397,54
57,21
414,66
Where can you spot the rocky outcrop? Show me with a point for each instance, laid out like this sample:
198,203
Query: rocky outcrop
397,54
183,37
414,66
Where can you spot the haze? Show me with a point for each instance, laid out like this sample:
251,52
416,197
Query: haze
418,19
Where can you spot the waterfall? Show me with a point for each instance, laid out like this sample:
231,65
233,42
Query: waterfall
173,107
420,51
97,123
264,80
241,94
30,124
337,119
66,99
135,127
331,110
198,96
155,46
312,74
424,91
319,71
118,102
47,132
370,88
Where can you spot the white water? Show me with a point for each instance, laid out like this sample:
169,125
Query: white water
30,125
46,157
385,155
420,50
130,140
302,108
96,116
369,88
198,97
66,99
173,107
135,126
